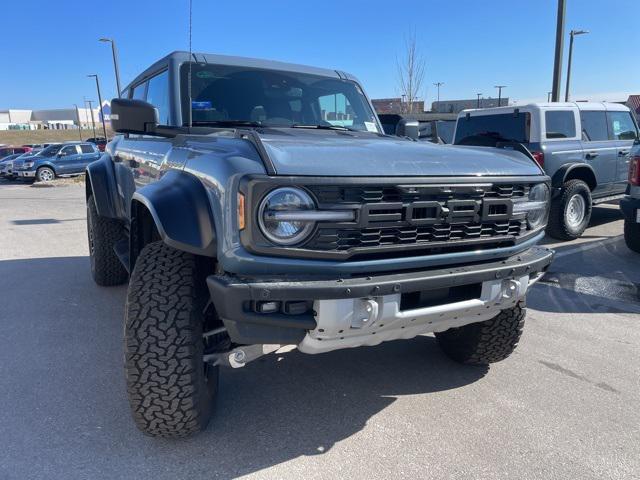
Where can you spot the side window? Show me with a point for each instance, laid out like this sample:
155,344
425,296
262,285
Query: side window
594,126
158,96
139,91
621,126
560,124
86,148
68,150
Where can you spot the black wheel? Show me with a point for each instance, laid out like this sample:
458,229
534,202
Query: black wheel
45,174
632,235
571,211
103,233
171,390
485,342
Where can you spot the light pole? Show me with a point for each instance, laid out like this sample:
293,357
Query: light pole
557,62
478,104
93,121
79,123
104,126
499,87
402,104
572,34
114,53
438,85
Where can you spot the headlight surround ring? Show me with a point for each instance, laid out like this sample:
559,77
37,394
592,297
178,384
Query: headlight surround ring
285,233
536,206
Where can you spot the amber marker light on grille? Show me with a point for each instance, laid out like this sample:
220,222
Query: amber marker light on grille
241,211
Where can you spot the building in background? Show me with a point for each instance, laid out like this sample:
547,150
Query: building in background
633,102
396,105
53,119
456,106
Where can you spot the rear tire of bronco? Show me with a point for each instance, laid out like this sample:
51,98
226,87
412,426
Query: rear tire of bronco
171,390
485,342
103,233
571,212
632,235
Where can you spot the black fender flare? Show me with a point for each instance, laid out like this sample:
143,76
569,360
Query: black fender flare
179,206
563,172
101,183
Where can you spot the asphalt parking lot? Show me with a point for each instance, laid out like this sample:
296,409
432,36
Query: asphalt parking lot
565,405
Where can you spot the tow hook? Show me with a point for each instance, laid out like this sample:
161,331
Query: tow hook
240,356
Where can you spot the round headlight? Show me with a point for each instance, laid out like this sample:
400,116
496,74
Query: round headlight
539,201
274,209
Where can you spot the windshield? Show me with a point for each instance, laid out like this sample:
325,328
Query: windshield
50,151
489,129
225,95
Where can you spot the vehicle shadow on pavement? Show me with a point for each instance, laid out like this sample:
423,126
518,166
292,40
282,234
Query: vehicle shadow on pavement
63,381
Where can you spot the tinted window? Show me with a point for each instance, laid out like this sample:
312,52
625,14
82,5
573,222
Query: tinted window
138,92
560,124
222,93
50,151
445,130
87,148
594,126
622,126
69,150
486,130
158,96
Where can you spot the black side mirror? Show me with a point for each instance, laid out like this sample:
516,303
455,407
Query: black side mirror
133,116
408,128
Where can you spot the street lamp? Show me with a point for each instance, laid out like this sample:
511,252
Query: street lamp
572,34
438,85
79,122
114,53
93,121
478,104
104,126
499,87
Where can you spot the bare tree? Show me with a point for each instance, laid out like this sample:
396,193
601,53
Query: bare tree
411,71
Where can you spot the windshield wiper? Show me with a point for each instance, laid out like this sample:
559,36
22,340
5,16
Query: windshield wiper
227,123
325,127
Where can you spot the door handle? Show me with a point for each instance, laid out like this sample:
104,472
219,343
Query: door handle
591,155
623,153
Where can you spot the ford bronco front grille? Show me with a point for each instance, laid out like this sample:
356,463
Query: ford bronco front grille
429,216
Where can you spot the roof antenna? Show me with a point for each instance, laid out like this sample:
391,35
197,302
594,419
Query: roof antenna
190,64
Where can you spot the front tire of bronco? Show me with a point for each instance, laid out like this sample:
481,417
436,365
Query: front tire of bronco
570,213
171,390
485,342
103,233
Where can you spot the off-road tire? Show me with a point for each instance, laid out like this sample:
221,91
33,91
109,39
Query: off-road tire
558,226
171,392
40,174
632,235
103,233
485,342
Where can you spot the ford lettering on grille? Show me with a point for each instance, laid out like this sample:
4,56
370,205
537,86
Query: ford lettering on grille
435,212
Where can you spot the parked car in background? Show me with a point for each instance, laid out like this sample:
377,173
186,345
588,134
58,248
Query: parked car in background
11,150
64,159
6,166
432,127
100,142
583,147
630,204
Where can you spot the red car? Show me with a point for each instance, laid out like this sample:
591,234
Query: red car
100,142
10,150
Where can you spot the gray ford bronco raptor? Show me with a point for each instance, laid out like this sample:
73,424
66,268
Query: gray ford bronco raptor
257,206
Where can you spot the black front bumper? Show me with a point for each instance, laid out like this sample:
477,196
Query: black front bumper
234,297
629,207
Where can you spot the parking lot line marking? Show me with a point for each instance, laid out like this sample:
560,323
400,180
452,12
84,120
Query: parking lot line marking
589,246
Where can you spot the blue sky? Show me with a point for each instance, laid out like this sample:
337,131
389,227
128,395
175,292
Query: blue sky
49,46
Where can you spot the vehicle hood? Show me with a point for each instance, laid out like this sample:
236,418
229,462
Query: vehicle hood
342,153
